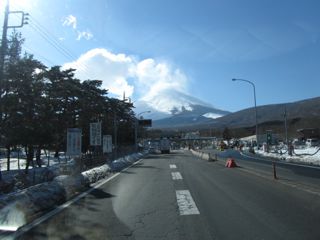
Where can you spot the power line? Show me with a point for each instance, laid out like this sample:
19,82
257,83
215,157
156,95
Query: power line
52,40
32,51
56,42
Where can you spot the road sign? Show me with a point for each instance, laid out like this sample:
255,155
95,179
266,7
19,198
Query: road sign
74,141
145,122
107,143
95,134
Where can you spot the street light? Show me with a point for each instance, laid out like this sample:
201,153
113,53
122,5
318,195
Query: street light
255,102
136,129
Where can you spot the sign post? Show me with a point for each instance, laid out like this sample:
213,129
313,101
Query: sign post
95,134
74,141
107,144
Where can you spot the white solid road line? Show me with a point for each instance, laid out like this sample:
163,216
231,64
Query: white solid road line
176,176
186,204
172,166
57,210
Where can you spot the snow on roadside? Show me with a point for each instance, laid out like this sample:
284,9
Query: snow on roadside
307,155
19,208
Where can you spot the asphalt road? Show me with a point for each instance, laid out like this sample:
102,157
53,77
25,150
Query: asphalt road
178,196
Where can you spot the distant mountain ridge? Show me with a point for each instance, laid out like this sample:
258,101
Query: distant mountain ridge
304,109
198,115
307,108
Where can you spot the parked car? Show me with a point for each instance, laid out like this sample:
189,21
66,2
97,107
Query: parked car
312,142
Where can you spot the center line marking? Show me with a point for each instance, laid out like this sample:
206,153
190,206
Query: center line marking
172,166
186,204
176,176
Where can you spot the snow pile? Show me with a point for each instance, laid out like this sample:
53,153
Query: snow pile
21,207
95,174
121,163
307,155
15,180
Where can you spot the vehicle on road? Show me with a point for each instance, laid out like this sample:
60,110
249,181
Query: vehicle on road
164,145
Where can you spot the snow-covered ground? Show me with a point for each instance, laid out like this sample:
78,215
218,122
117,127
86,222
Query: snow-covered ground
307,155
16,163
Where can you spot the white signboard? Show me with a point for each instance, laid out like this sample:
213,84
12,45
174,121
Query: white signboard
74,141
107,143
95,134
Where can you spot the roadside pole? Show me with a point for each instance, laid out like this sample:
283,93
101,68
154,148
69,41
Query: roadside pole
274,170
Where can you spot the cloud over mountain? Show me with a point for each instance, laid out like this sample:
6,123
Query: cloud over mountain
112,69
144,79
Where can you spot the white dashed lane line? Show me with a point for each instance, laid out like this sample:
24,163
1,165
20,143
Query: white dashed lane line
186,204
176,176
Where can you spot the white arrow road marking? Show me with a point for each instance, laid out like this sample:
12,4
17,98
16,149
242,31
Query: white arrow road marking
186,204
172,166
176,176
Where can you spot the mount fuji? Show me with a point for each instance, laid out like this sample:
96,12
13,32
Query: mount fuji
173,108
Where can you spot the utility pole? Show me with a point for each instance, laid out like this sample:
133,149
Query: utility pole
285,124
3,53
3,47
4,40
115,134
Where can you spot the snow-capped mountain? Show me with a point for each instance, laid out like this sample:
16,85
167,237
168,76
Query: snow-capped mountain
172,108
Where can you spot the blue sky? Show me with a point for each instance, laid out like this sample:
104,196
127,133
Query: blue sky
144,47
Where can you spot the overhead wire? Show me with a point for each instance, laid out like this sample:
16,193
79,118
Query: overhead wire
52,40
65,51
31,50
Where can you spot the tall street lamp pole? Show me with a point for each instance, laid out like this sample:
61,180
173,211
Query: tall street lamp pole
255,102
136,129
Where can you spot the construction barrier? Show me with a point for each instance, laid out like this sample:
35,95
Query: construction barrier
203,155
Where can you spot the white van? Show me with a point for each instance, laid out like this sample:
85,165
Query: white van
312,142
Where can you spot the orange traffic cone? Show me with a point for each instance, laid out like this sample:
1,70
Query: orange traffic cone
231,163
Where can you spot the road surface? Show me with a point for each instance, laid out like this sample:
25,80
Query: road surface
178,196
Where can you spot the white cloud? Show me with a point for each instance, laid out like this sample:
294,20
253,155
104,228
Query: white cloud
70,21
100,64
122,73
156,77
84,34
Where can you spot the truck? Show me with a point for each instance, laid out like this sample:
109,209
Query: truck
164,145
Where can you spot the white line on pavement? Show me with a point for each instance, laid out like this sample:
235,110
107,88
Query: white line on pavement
186,204
176,176
172,166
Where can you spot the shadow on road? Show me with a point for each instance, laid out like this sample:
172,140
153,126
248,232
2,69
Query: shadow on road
98,193
141,165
